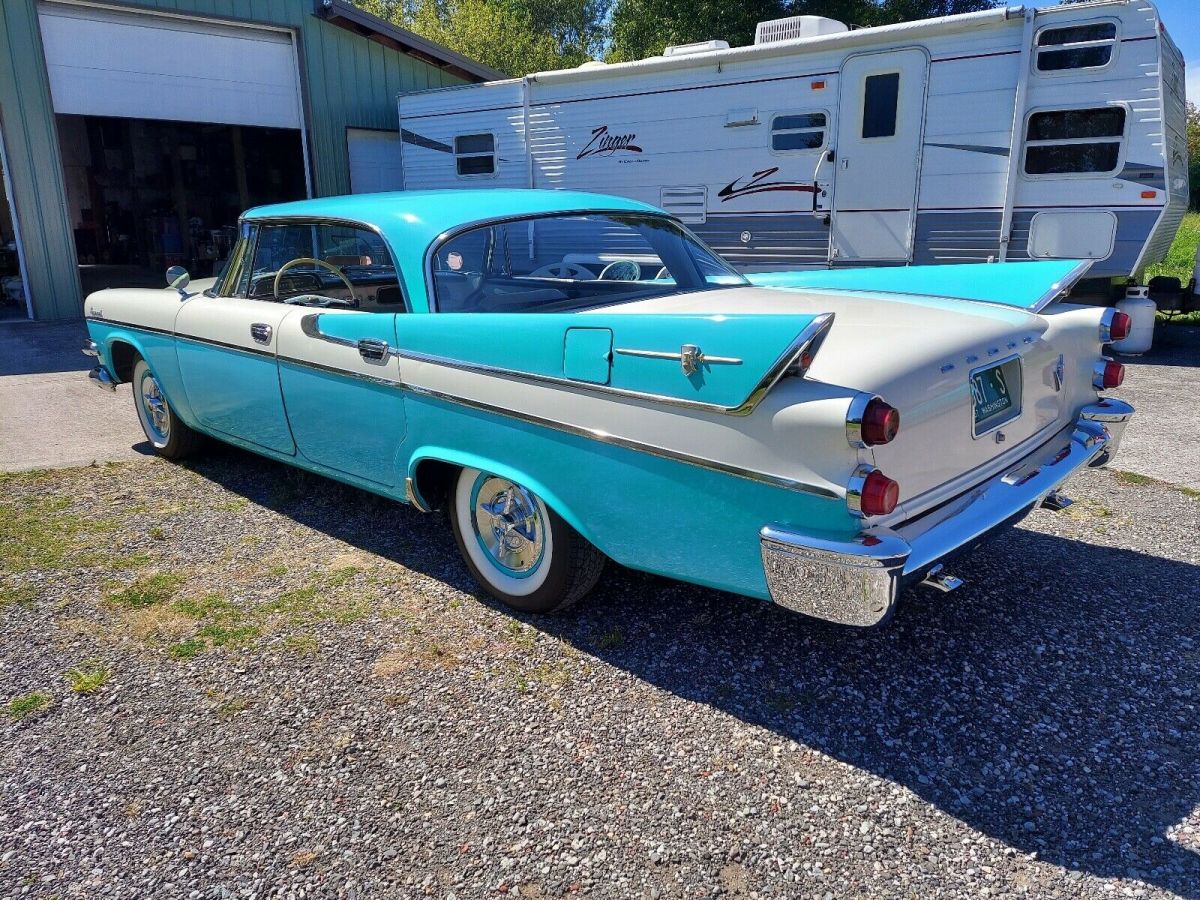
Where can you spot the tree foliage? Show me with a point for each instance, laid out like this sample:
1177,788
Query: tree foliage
522,36
1193,146
642,28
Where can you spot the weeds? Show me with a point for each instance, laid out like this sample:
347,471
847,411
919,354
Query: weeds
149,591
30,704
88,677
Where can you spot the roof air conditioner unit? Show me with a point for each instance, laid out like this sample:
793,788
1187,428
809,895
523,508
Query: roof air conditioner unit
795,27
697,47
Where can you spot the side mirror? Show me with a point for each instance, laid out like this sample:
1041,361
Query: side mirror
178,278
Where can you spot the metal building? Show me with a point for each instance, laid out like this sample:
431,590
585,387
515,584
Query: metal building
133,133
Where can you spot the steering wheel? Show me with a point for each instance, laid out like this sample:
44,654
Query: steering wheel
563,270
621,270
291,264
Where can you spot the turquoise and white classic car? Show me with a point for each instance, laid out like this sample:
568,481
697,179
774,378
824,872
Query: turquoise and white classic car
575,378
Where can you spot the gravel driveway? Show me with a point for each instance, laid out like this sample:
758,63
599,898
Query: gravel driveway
294,693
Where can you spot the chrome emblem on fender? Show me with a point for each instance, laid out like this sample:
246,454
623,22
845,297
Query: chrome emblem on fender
1060,372
690,357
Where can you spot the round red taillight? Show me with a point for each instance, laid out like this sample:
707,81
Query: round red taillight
879,494
880,423
1118,328
1114,374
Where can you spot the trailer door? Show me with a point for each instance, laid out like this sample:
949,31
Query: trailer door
881,121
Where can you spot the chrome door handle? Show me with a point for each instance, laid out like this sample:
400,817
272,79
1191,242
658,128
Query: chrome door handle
373,350
261,332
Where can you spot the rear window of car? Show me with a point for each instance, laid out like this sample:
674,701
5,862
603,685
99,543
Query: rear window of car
567,262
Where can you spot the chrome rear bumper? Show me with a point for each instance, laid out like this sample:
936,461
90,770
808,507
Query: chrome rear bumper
856,582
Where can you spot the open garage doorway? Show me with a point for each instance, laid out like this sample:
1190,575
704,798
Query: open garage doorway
144,194
14,297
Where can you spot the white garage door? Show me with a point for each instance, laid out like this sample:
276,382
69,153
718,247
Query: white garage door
374,160
108,63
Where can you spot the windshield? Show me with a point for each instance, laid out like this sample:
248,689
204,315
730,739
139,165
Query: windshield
563,263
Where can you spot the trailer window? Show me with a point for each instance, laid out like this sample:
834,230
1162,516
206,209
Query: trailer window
881,93
1076,47
1074,141
475,154
798,131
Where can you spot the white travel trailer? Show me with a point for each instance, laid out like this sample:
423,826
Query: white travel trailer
1010,134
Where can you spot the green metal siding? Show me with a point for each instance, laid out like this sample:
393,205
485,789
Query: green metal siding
348,81
38,202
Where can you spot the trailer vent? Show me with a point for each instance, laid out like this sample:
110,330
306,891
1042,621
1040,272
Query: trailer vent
795,27
697,47
687,203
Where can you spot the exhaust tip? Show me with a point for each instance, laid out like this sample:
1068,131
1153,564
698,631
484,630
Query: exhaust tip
941,580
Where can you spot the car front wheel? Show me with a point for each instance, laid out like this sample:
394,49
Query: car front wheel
164,430
517,548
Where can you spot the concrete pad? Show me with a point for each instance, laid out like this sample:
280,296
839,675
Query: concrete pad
1164,388
63,419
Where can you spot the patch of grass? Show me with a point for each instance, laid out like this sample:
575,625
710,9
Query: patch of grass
1181,258
88,677
156,624
231,707
1182,255
610,639
339,577
157,533
188,649
519,634
228,635
23,595
128,561
302,644
149,591
30,704
1133,478
211,604
36,533
235,505
1189,492
277,571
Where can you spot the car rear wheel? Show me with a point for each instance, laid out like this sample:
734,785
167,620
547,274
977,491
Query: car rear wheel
517,548
169,436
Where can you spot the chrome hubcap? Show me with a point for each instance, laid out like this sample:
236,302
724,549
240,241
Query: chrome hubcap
508,525
158,417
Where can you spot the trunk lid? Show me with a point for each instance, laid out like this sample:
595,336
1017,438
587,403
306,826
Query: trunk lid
919,354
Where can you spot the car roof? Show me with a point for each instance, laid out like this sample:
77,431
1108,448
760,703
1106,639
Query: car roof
420,216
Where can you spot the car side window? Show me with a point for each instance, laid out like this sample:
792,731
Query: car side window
309,262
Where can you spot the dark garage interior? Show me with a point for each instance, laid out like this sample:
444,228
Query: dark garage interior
12,289
144,195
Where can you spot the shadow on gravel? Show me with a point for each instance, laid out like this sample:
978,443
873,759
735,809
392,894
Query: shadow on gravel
1050,704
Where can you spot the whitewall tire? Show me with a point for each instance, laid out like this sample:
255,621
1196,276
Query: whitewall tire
169,436
517,548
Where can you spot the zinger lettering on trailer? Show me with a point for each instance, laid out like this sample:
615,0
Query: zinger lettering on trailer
605,144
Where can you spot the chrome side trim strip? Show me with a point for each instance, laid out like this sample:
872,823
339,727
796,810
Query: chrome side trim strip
254,351
1059,288
806,341
701,358
597,434
415,499
349,373
100,320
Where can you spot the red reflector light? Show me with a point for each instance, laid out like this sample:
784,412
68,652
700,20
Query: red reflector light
1118,329
1114,374
879,494
881,422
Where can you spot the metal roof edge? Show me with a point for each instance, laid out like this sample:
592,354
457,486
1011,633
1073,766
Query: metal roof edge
345,14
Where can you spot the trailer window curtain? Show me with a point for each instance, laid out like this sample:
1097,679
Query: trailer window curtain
1076,47
1074,141
475,154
